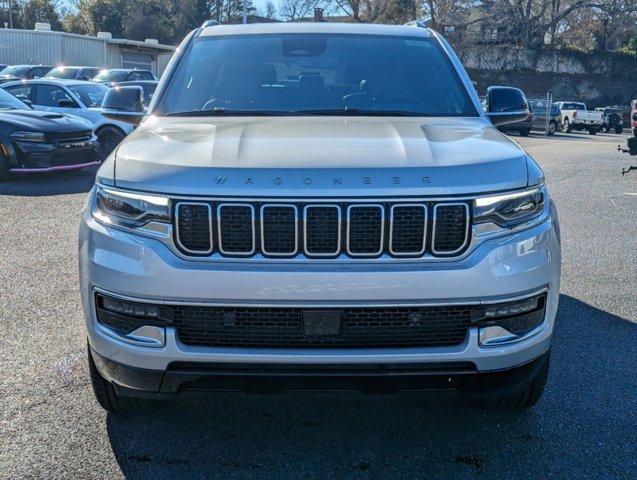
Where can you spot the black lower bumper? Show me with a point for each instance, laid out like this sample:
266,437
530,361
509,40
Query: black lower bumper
266,378
44,157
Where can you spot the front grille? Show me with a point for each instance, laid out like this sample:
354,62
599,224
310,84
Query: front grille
236,229
365,230
279,229
324,230
70,137
408,232
284,327
194,227
450,228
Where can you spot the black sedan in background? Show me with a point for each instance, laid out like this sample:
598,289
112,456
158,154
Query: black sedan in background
37,141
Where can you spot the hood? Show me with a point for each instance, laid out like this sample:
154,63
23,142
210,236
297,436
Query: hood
318,156
41,121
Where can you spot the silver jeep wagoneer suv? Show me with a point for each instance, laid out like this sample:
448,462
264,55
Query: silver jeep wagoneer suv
318,206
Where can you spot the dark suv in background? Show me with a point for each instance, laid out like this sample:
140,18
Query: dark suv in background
73,73
23,72
114,75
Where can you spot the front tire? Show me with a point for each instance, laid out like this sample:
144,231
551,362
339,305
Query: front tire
525,132
552,128
108,137
619,129
528,395
109,399
4,169
567,128
592,131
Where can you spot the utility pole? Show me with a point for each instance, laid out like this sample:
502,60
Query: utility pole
245,11
10,11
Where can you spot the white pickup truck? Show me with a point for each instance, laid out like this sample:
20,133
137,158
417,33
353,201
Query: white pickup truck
575,116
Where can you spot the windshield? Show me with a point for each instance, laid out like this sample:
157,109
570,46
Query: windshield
109,76
16,71
573,106
321,74
90,94
63,72
8,101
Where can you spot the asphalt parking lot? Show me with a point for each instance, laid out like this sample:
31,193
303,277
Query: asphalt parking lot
584,427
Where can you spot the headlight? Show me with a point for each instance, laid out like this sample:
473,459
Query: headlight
510,209
129,210
28,137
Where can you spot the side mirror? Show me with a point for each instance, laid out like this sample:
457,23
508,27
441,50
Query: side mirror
66,103
84,78
28,103
125,104
506,105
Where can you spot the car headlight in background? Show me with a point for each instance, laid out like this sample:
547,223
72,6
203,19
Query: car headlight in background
129,210
510,209
37,137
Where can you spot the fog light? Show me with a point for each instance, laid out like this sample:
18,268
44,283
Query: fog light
133,322
511,309
509,322
128,308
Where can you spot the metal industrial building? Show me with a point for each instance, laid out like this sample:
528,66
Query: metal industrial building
47,47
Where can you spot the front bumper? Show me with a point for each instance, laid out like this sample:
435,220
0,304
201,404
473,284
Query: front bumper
141,268
30,157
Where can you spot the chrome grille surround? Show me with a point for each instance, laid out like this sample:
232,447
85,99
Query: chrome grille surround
210,228
221,230
415,244
262,223
435,225
391,229
306,249
349,241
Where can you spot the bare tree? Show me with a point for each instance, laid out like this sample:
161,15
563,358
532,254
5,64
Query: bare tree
295,9
270,10
530,20
363,11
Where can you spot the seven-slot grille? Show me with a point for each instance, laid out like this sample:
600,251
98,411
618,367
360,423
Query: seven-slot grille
273,327
322,230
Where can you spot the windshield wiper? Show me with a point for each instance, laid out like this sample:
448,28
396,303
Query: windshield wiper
352,112
347,111
218,111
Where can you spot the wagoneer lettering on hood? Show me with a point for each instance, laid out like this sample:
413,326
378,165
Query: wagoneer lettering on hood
319,156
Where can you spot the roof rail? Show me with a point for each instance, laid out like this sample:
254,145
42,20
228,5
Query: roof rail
210,23
419,22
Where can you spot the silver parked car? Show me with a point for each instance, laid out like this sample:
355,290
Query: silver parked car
74,97
318,205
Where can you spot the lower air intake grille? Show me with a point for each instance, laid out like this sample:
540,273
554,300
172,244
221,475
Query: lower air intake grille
284,327
194,227
450,228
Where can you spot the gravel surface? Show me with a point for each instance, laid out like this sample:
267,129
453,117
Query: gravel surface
584,427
